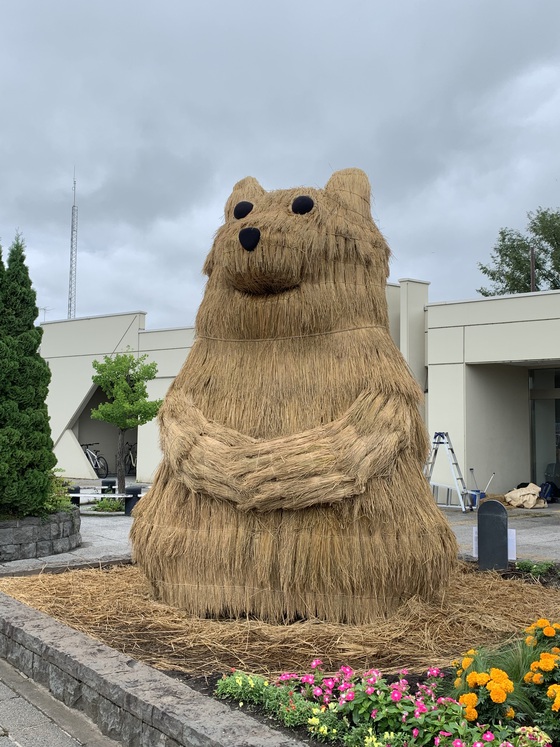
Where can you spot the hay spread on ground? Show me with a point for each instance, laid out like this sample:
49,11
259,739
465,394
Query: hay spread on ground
115,607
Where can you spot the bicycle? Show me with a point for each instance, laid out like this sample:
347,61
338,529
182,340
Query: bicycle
98,462
130,458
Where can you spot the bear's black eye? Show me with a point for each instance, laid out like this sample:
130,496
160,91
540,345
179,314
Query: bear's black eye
303,204
242,209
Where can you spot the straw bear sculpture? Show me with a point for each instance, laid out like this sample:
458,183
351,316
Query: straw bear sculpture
291,483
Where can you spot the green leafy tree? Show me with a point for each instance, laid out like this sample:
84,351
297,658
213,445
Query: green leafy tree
26,448
123,379
510,269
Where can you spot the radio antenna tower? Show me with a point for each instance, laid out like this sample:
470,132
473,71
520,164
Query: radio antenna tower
73,256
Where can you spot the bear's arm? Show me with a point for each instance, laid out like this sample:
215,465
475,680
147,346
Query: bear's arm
323,465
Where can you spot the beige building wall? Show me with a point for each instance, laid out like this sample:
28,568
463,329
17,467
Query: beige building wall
480,353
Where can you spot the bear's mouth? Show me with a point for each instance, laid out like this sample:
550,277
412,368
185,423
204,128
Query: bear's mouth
262,284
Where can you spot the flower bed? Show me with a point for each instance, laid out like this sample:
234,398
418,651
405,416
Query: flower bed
508,697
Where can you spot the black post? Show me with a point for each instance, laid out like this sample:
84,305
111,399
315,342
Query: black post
108,486
492,536
74,499
131,498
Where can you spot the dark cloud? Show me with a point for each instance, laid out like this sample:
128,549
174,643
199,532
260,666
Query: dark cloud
451,108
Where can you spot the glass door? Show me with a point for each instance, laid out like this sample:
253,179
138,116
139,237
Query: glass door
544,385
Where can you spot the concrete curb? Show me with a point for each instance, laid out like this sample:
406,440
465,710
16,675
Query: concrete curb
128,700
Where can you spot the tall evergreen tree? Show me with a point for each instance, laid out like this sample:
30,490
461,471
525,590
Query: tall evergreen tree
25,436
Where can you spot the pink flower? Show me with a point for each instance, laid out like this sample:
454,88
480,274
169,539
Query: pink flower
434,672
437,740
480,744
373,714
396,695
458,743
350,695
369,690
347,671
328,683
415,732
445,733
317,692
488,736
316,663
308,679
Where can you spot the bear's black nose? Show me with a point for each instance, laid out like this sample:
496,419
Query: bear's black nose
249,238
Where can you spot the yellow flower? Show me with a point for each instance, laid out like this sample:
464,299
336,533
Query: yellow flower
555,650
323,729
314,721
530,629
471,714
457,682
556,625
471,651
528,677
459,671
498,694
542,622
549,631
531,640
510,713
467,661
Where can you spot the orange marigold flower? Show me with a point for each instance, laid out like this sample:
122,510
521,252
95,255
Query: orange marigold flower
468,699
482,678
547,662
528,677
556,625
471,714
458,682
472,679
542,622
471,651
498,675
467,661
530,629
510,713
538,678
498,694
531,640
555,650
534,666
553,691
549,631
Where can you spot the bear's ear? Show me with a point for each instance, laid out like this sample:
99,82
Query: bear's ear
247,190
351,188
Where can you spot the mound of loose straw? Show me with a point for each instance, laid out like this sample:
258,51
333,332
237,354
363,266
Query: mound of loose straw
114,606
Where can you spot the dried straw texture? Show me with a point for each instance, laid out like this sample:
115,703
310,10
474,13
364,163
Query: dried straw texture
291,483
116,607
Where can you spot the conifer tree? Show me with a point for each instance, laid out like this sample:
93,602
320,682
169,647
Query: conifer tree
25,436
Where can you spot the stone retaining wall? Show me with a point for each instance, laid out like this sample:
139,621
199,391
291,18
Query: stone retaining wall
35,537
129,701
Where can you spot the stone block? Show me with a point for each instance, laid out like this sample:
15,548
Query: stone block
44,532
28,550
109,718
153,738
19,657
89,702
75,540
131,729
26,534
8,552
40,670
64,687
61,545
44,548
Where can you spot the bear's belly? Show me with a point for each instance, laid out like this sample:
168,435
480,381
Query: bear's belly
272,388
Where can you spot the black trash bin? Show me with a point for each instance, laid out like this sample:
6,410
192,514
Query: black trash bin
132,496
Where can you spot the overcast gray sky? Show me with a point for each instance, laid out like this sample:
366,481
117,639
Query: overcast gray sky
452,107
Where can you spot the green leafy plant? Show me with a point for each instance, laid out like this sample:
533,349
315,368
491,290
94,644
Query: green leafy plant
536,569
109,505
123,378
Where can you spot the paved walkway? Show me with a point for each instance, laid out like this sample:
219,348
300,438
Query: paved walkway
31,717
